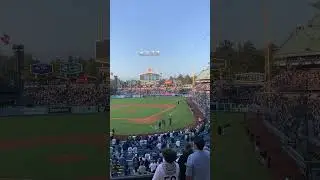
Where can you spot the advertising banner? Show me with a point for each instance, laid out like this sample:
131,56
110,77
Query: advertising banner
70,68
41,69
84,109
10,111
58,109
34,110
118,96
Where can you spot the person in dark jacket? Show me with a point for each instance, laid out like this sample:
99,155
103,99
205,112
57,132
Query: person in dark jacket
183,160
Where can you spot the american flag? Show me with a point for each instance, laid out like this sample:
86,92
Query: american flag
5,39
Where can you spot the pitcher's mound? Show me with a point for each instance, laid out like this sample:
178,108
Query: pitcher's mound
67,158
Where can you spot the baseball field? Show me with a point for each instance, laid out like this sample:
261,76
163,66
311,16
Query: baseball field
133,116
71,147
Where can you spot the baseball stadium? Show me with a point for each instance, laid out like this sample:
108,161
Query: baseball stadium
147,108
159,97
140,110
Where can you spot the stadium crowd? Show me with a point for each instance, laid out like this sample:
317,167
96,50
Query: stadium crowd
149,91
142,154
290,99
67,94
296,79
201,96
290,95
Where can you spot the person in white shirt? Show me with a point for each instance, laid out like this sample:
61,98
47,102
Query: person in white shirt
171,134
153,165
178,143
129,150
113,141
142,168
141,142
147,156
135,150
168,169
159,145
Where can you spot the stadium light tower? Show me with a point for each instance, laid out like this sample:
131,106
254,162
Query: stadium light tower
19,53
102,46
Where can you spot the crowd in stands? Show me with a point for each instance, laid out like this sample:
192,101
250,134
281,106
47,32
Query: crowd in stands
296,79
139,155
291,94
201,96
67,94
291,100
151,91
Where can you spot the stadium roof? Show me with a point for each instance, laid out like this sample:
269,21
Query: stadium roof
304,40
204,75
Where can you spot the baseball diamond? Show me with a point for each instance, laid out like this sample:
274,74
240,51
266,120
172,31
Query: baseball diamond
140,115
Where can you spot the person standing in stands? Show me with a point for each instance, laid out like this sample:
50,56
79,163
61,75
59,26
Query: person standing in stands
183,159
198,163
168,169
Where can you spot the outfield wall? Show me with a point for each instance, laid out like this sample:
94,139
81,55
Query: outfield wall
141,96
50,110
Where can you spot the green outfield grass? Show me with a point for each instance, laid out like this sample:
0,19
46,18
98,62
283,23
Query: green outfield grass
122,109
233,155
28,143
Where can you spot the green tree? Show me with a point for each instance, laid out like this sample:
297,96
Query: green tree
187,79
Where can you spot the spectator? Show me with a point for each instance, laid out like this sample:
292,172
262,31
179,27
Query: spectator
142,168
168,168
198,163
183,160
153,165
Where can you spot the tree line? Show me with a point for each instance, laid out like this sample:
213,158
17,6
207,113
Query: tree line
242,57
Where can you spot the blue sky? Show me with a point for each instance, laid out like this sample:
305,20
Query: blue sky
179,29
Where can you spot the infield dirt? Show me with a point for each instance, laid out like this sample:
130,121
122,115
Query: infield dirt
145,120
